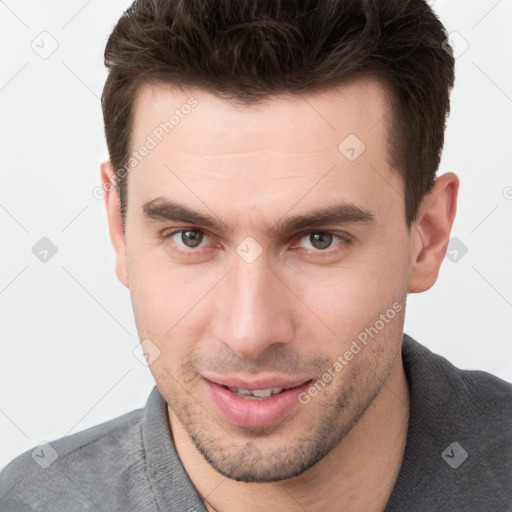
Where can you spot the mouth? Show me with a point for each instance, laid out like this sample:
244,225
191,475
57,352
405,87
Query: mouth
256,394
255,404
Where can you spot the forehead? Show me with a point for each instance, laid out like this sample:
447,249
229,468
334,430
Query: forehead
310,148
283,122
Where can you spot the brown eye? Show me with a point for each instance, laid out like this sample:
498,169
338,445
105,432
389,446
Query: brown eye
320,240
186,240
191,238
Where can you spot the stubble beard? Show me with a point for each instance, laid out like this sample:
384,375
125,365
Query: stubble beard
245,455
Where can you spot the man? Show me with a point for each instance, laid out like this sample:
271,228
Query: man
272,199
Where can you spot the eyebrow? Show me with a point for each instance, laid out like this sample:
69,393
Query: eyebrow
161,209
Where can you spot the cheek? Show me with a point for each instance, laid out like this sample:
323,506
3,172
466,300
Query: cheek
150,295
169,302
350,297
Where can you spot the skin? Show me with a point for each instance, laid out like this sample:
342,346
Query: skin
295,308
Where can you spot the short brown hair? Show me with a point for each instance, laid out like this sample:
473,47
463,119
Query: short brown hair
246,50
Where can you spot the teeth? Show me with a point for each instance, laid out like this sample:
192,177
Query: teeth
258,393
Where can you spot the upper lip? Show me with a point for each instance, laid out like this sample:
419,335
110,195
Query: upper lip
261,382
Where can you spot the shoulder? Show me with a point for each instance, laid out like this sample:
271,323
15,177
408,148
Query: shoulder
459,443
73,465
433,376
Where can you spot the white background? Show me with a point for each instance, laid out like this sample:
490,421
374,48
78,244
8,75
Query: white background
67,328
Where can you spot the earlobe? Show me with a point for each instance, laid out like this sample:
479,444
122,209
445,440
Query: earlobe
115,224
430,234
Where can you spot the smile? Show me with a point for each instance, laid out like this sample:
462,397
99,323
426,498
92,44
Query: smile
255,404
256,393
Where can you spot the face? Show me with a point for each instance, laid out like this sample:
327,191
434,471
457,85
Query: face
264,245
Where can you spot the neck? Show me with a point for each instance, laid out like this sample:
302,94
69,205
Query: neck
357,475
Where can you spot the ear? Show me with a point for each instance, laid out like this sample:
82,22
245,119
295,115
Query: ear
115,224
430,234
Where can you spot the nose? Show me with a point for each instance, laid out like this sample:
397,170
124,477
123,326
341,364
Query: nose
256,309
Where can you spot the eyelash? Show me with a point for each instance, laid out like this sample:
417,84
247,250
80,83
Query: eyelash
344,238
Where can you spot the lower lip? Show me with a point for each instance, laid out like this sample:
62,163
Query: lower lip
255,413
